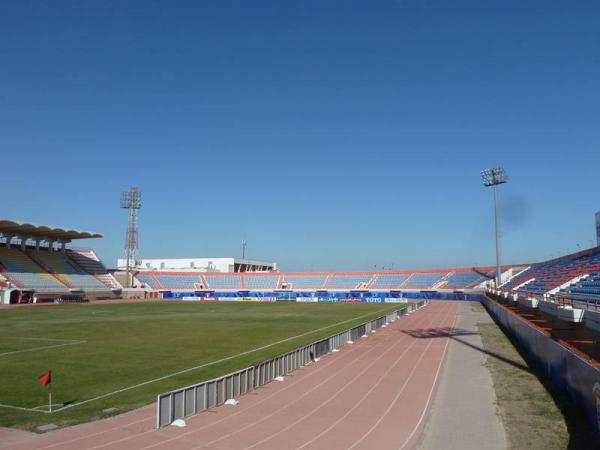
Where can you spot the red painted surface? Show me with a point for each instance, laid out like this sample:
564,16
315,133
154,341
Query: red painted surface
373,394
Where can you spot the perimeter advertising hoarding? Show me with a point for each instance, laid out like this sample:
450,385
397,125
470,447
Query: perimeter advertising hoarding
199,299
373,299
247,299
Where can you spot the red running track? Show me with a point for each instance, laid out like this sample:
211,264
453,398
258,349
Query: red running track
373,394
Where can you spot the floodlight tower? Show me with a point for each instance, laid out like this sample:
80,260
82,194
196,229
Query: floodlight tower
131,200
493,178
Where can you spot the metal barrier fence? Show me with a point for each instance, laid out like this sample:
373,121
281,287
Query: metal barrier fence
191,400
563,299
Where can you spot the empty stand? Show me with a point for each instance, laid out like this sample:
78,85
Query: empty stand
226,281
549,275
149,280
588,287
26,273
90,263
424,280
308,281
464,280
261,281
389,280
58,265
179,281
348,281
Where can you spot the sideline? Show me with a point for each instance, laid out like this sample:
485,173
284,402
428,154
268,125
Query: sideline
201,366
42,348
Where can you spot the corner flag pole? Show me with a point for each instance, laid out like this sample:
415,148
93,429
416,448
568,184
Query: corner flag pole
45,379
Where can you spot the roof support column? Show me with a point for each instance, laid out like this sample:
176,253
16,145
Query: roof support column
37,245
9,238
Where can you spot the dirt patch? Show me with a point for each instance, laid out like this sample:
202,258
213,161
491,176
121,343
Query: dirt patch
477,307
534,416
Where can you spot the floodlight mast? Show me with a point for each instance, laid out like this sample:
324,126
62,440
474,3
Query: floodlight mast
131,200
493,178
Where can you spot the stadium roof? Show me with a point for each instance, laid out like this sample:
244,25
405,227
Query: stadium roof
28,230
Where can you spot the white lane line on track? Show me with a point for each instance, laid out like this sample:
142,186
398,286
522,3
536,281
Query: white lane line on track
337,393
397,396
227,358
431,390
264,418
267,397
179,436
154,418
359,402
314,372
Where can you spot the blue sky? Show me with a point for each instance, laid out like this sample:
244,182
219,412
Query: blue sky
329,135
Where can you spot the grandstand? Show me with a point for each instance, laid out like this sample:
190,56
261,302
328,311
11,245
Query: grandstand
453,279
557,274
36,263
35,259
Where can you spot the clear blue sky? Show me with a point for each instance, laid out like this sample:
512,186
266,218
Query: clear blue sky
329,134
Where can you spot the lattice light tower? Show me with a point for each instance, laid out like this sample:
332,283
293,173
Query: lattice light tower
493,178
131,200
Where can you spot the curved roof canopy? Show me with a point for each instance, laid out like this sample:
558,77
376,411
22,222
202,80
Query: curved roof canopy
28,230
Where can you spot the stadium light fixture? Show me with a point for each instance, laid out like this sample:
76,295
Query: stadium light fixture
493,178
131,200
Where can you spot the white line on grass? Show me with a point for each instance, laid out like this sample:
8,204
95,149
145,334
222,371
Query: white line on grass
42,339
42,348
21,408
227,358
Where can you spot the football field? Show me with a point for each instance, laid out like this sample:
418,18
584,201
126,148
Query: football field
118,357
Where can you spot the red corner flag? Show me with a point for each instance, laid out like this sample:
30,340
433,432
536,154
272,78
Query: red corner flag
45,378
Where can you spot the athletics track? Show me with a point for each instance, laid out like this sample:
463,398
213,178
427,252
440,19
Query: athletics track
373,394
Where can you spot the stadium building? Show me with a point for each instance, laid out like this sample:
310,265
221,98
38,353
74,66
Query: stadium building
550,307
200,264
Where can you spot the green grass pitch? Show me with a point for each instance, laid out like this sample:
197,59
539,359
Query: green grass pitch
95,350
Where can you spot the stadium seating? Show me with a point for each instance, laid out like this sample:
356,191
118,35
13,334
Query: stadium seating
343,281
388,281
230,281
308,281
424,280
465,280
89,262
585,287
261,281
179,281
24,272
149,280
57,264
547,276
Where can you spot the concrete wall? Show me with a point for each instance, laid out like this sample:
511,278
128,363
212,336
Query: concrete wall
566,370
